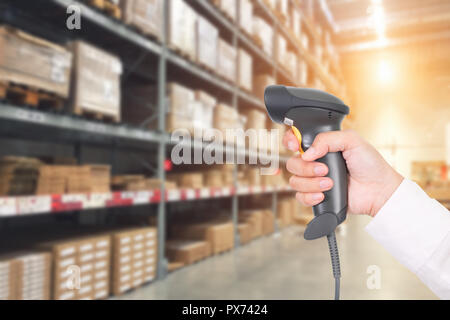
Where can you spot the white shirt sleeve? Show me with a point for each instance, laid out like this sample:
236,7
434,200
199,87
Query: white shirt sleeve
415,229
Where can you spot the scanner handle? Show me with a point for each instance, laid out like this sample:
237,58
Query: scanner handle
333,209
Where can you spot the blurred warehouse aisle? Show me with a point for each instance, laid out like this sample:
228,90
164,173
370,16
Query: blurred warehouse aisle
285,266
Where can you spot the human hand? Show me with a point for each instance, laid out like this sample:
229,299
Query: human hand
371,180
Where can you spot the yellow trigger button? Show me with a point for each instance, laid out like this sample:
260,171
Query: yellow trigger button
298,135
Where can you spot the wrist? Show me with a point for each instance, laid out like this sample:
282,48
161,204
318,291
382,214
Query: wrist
386,191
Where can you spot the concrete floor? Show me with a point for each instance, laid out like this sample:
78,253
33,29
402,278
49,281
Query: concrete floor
285,266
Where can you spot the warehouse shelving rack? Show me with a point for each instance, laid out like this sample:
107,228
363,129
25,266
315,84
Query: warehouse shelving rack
79,129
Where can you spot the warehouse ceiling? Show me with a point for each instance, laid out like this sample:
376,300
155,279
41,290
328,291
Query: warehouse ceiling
371,24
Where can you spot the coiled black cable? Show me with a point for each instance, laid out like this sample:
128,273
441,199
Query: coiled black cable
334,253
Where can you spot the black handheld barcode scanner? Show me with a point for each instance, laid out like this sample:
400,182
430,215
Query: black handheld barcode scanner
309,112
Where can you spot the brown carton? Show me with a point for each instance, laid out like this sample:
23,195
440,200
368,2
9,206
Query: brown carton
187,251
96,81
227,60
146,15
34,62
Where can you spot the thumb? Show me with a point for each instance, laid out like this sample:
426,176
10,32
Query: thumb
332,141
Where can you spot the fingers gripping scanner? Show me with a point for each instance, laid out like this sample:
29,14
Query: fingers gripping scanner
309,112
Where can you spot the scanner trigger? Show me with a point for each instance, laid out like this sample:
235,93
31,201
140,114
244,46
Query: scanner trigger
298,135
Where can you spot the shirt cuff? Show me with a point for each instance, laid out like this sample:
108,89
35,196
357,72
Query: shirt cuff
410,225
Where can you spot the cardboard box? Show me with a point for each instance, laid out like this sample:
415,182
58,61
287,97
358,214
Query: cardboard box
227,60
189,180
95,81
134,258
245,73
282,51
207,43
255,219
34,62
296,22
79,262
204,110
284,212
187,251
260,83
245,232
146,15
8,278
264,32
219,234
182,28
302,73
33,276
246,16
18,175
253,176
268,222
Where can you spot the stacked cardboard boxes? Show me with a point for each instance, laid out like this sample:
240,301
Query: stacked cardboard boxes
218,234
261,81
255,219
32,273
78,179
189,109
225,117
284,212
251,176
227,59
135,183
268,222
302,73
257,120
296,22
34,62
202,117
100,176
52,180
246,16
181,108
207,37
18,176
218,177
245,73
81,267
291,64
134,258
95,81
7,279
190,180
281,50
187,251
145,15
264,33
245,232
182,28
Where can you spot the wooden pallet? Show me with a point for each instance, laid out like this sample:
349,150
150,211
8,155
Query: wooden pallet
95,115
106,6
181,52
33,97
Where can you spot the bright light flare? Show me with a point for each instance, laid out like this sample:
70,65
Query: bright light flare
385,72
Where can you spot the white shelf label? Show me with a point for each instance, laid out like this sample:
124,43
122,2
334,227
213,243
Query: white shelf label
205,193
7,206
97,200
190,194
173,195
38,204
142,197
